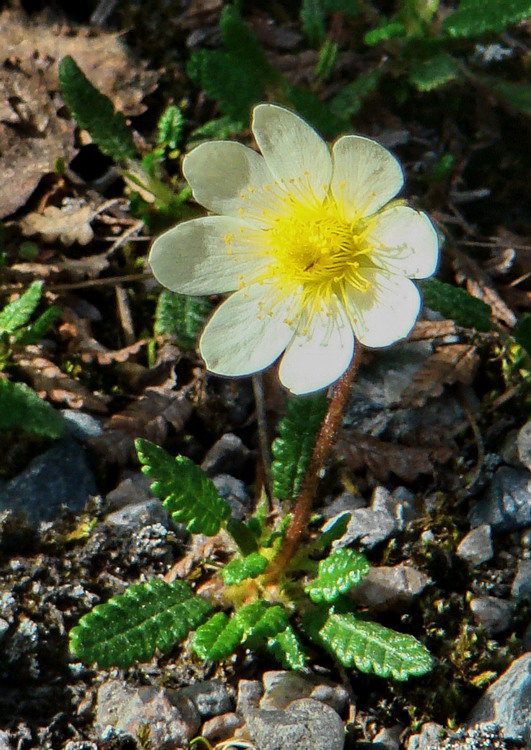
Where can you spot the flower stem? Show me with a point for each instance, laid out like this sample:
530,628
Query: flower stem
323,445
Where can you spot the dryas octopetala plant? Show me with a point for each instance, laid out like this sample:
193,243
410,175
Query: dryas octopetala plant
276,592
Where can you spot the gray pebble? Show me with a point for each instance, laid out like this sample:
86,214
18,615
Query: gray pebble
506,505
523,443
59,477
226,455
211,697
172,718
476,547
221,727
235,493
389,737
507,702
82,426
306,725
431,737
130,491
521,588
141,514
249,694
5,743
491,613
390,587
388,514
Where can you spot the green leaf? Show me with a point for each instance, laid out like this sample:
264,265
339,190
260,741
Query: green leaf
476,17
17,313
181,316
188,494
237,571
385,31
373,648
95,112
337,574
518,95
131,626
224,79
427,75
293,448
350,99
456,304
237,85
170,127
327,60
312,17
220,637
266,624
220,129
287,649
212,638
33,333
522,332
334,530
22,409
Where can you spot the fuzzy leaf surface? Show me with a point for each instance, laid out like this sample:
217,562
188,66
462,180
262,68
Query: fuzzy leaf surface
170,127
237,571
33,333
187,493
373,648
181,316
350,99
22,409
131,626
293,448
427,75
456,304
337,574
17,313
287,649
95,112
220,637
476,17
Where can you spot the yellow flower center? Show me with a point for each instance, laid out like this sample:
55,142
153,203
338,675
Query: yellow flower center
314,247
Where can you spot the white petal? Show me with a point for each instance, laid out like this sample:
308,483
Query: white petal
296,155
240,339
219,172
405,241
315,359
194,258
366,176
386,312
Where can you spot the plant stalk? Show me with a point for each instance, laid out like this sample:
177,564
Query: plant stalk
323,445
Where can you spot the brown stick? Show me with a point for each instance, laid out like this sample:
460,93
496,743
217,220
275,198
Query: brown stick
323,445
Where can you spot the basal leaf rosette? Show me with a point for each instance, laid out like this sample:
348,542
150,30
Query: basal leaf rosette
310,243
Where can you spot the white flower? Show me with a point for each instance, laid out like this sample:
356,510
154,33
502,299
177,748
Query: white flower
309,243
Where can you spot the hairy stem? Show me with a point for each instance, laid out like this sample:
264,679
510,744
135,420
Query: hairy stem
323,445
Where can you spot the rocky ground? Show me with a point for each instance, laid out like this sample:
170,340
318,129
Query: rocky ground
433,460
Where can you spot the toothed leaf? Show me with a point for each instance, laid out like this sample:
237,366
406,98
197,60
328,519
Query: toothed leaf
237,571
22,409
17,313
130,627
337,574
427,75
287,649
456,304
293,448
182,316
476,17
95,112
187,493
373,648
